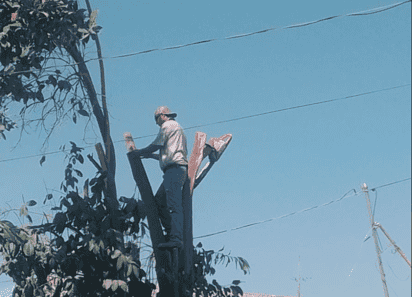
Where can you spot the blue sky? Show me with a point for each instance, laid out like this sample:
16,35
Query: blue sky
278,163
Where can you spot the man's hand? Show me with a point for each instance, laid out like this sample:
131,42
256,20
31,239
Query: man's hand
144,155
150,156
147,152
137,152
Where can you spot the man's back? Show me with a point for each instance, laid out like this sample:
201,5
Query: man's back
174,144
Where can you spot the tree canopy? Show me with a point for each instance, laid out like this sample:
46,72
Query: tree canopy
35,39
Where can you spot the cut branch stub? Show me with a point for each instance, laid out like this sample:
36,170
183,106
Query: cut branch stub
130,146
155,229
196,158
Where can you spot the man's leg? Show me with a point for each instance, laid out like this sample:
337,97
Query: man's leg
174,178
163,211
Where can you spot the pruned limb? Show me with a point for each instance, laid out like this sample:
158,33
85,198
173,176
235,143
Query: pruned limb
155,229
198,153
214,149
101,154
130,146
102,121
202,173
95,163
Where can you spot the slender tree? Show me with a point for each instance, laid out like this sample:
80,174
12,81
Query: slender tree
42,47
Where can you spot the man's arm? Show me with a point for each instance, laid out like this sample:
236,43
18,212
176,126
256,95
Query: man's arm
152,156
148,151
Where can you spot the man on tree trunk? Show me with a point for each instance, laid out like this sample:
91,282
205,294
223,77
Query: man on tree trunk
172,146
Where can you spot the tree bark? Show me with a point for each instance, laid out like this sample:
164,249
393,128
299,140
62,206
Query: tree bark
109,156
102,122
156,234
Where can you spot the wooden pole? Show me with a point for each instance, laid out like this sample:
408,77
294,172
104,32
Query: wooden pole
397,248
375,238
187,258
155,229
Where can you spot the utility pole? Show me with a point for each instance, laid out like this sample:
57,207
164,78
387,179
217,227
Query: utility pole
398,249
375,226
300,278
375,238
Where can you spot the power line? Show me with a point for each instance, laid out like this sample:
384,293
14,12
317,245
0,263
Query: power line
298,106
296,212
32,156
390,184
281,217
230,120
361,13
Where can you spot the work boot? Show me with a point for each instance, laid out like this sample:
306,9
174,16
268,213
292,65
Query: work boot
171,244
167,237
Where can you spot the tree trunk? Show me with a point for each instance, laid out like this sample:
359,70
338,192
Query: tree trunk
163,270
103,123
110,154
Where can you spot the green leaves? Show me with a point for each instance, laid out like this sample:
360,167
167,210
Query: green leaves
214,282
236,290
136,271
30,32
48,197
52,80
107,283
203,261
120,261
115,284
92,19
92,251
59,221
31,203
28,249
23,210
64,85
83,113
96,245
123,286
75,149
116,254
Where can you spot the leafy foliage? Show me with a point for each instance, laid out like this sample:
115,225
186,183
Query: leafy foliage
32,28
87,255
6,124
32,33
203,266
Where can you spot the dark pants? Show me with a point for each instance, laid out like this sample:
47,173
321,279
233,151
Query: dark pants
170,205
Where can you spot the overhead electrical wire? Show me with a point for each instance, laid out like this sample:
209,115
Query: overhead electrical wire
296,212
376,192
298,106
354,14
390,184
280,217
230,120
